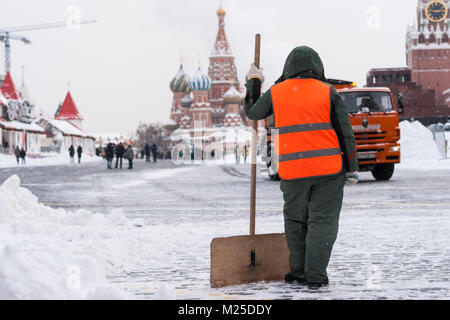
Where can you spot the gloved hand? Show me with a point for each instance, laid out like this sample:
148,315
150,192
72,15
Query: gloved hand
255,73
351,178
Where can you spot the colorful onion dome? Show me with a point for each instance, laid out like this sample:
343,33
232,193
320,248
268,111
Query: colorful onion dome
200,81
187,100
232,96
180,82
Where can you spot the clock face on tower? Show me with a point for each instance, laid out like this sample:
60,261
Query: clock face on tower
436,11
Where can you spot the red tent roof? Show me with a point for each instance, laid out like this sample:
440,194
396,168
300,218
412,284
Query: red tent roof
8,89
68,110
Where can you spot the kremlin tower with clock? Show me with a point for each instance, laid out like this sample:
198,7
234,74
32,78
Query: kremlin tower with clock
428,49
425,82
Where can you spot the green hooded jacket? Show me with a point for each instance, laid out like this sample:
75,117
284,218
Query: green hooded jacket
304,63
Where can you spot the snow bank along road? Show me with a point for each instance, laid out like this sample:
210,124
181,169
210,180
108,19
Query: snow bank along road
393,240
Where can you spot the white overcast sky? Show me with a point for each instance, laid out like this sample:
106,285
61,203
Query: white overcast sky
119,68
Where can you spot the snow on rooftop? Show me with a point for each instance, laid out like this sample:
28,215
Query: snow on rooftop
68,110
16,125
170,122
65,127
8,88
390,69
3,100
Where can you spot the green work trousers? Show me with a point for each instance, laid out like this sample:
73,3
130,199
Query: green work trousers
311,217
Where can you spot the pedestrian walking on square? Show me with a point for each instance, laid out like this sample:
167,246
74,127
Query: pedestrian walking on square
130,156
72,153
315,151
120,151
17,153
79,152
245,154
154,152
109,154
5,146
23,154
147,152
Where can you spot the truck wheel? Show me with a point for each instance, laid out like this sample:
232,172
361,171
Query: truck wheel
274,177
383,172
273,174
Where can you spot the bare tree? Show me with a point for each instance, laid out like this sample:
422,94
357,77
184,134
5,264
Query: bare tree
157,133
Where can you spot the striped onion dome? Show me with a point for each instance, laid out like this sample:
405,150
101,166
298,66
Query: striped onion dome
180,82
200,81
232,96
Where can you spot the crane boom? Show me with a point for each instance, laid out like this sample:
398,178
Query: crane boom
15,37
5,35
32,27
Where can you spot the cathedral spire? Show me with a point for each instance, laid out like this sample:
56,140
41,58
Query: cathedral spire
221,12
221,69
221,46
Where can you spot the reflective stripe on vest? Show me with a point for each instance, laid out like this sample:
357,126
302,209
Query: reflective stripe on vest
306,144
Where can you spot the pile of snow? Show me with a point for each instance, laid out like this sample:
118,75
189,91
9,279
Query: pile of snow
48,253
447,137
418,149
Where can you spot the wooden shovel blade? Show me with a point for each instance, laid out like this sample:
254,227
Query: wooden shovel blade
247,259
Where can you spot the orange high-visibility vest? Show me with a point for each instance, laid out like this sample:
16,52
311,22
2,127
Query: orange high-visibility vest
306,144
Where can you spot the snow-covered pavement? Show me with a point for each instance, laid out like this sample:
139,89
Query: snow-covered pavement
46,159
393,240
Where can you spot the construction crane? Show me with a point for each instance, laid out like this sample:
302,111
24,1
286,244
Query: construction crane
7,34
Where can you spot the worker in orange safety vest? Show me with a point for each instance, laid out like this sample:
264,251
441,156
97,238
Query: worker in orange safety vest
315,155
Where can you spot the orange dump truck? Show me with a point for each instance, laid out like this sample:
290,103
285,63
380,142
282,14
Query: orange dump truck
374,117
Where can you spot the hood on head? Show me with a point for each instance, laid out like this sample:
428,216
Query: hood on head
303,61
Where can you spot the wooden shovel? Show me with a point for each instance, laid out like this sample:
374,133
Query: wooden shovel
252,258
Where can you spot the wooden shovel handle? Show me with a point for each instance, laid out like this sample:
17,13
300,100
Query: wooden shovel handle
254,148
257,50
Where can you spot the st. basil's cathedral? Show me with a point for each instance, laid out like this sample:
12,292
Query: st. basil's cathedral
210,101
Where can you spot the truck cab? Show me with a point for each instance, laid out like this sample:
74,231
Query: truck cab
374,117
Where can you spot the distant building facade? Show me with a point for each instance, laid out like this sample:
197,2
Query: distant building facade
425,82
16,116
65,129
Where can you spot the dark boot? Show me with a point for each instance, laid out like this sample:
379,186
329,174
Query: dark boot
291,278
317,285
